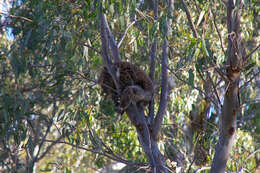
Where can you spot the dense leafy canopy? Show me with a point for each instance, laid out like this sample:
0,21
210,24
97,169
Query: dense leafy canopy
54,117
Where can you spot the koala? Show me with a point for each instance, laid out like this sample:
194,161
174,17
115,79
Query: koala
134,85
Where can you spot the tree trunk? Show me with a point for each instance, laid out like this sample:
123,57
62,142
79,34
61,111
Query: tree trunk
231,100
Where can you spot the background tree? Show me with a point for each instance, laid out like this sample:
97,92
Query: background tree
54,118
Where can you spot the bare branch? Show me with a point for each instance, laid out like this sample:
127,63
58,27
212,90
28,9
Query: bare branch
152,64
136,114
155,9
92,48
97,152
251,53
105,53
194,87
151,75
112,42
105,46
195,33
250,80
202,169
219,71
48,149
19,17
216,27
164,87
230,7
123,37
231,100
214,87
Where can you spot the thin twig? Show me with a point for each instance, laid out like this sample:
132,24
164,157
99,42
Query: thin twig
246,83
194,87
48,149
121,40
195,33
91,80
127,162
202,169
251,53
216,27
214,87
13,16
218,70
85,44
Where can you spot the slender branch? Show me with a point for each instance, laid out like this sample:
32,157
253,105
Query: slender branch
152,64
48,149
91,80
92,48
104,39
216,27
112,42
127,162
105,53
36,157
151,75
195,33
123,37
202,169
164,87
218,70
230,7
246,83
194,87
251,53
13,16
155,9
214,87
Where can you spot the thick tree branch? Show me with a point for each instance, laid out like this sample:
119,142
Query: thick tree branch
164,87
151,75
231,100
112,42
137,117
152,64
105,50
164,78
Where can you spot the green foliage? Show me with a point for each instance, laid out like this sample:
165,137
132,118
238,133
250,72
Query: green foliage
49,91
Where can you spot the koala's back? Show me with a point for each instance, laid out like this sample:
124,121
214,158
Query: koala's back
129,74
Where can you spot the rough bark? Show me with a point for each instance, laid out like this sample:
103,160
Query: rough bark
231,100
